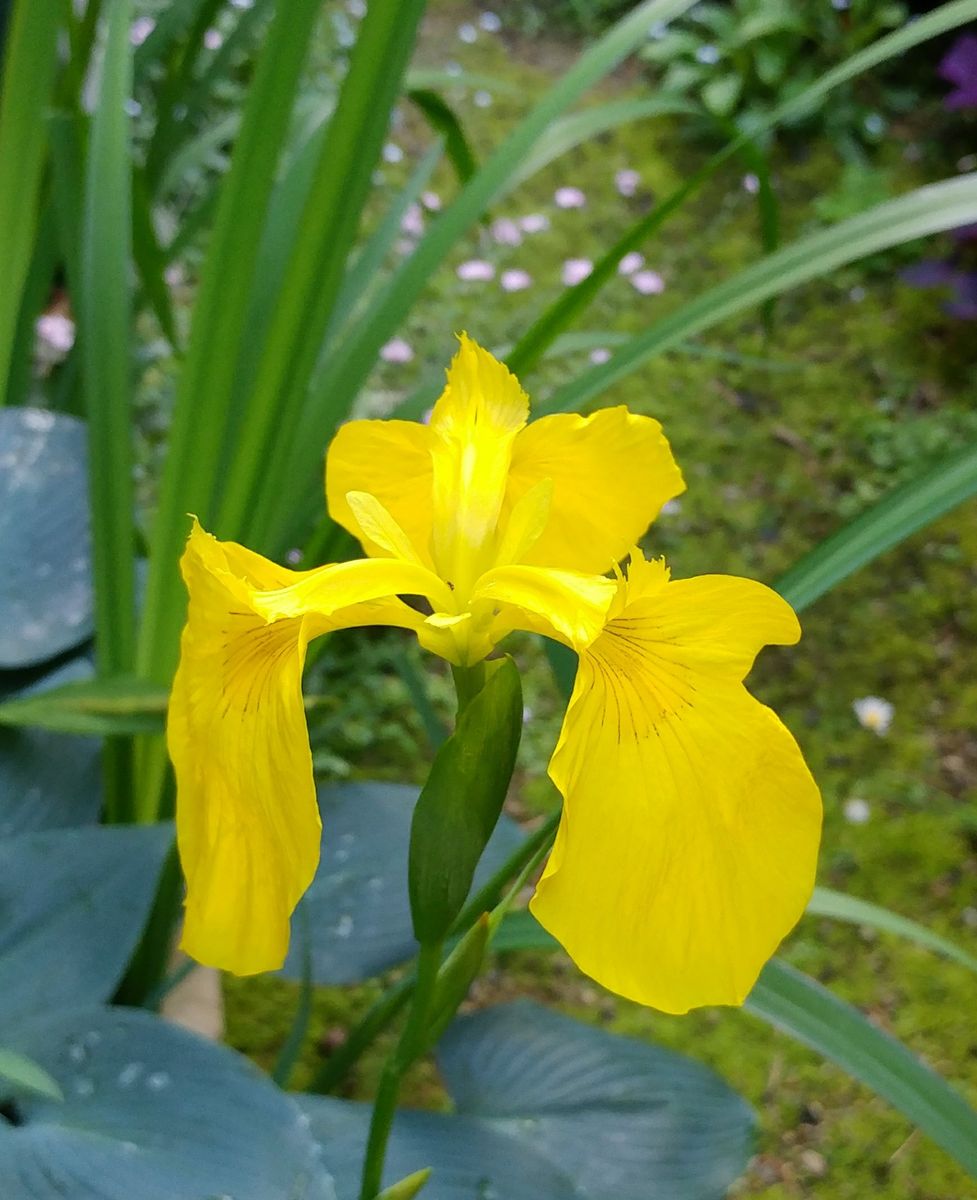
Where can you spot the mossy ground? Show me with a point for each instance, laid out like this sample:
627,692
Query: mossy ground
857,383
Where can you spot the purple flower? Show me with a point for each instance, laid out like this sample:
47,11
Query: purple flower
751,183
506,232
569,197
476,270
648,283
412,222
515,280
627,181
534,223
575,270
630,263
959,67
431,201
396,351
962,285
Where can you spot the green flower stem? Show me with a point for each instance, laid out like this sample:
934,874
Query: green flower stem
412,1044
384,1011
469,681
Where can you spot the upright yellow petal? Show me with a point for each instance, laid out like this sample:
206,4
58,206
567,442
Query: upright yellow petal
247,819
689,837
611,474
473,426
391,460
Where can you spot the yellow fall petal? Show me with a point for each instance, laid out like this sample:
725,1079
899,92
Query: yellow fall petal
391,460
611,474
689,837
247,820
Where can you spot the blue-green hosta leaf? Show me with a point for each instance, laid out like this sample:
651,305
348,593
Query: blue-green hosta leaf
150,1112
468,1157
47,780
551,1109
73,903
357,909
45,584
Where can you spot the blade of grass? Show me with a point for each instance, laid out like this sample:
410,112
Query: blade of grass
335,389
104,331
810,1014
151,260
25,89
329,223
826,902
575,300
444,120
932,209
895,517
200,414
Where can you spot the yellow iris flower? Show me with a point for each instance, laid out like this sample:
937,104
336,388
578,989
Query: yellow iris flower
690,826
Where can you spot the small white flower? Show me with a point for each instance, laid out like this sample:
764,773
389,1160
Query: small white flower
506,232
575,270
670,507
213,39
57,331
431,201
599,355
173,275
293,556
453,68
751,183
527,714
396,351
476,270
392,153
515,280
412,221
356,9
648,283
856,810
707,55
874,713
140,29
491,22
627,181
467,33
569,197
482,98
630,263
534,223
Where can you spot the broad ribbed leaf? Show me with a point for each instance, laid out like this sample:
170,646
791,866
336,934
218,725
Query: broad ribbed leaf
150,1112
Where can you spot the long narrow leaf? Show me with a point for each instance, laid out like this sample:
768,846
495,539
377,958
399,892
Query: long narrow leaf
811,1014
826,902
895,517
104,320
200,414
25,87
318,259
445,121
932,209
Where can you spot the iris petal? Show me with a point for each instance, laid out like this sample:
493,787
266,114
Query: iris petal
611,474
689,838
247,819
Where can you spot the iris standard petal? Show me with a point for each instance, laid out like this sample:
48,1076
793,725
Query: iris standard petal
689,837
390,460
611,474
473,425
247,819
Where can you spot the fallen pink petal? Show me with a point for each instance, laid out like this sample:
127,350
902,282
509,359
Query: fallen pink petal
569,197
476,270
575,270
648,283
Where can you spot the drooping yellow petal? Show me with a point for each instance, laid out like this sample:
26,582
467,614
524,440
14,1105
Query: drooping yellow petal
473,426
611,474
391,460
689,837
247,819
